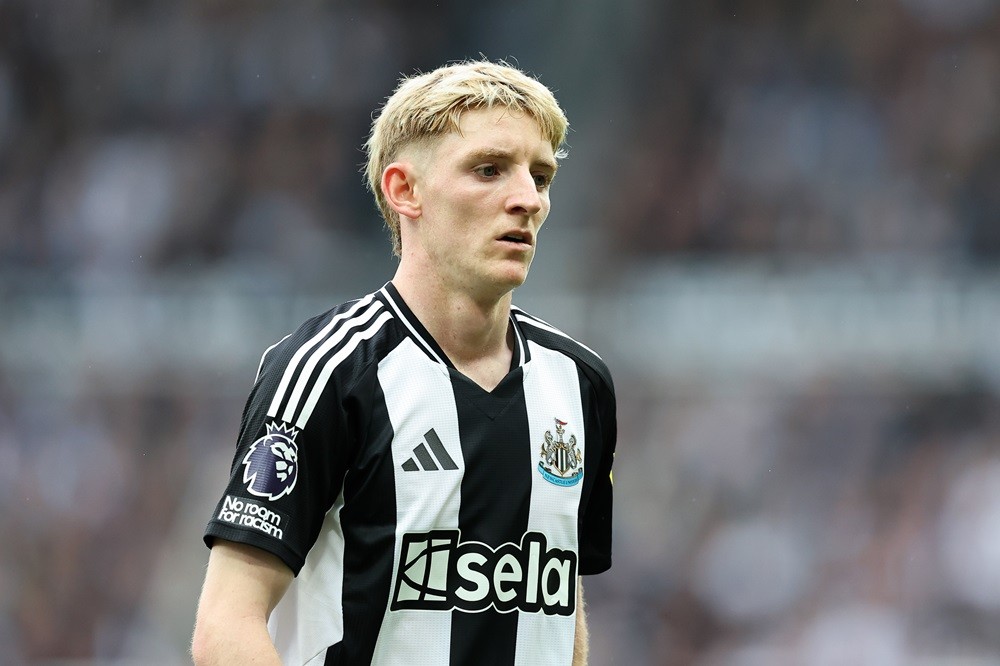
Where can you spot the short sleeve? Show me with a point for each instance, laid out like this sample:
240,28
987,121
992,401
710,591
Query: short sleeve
285,475
596,514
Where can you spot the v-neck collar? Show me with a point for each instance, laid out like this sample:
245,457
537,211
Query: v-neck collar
426,343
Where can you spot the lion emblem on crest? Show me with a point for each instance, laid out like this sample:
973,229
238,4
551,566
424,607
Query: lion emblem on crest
271,466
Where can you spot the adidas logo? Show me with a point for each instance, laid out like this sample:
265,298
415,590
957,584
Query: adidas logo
429,461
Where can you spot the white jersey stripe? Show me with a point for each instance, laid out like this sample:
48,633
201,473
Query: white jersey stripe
309,368
408,377
318,584
286,379
345,351
552,391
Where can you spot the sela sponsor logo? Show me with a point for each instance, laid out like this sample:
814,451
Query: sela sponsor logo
247,513
562,462
271,466
438,572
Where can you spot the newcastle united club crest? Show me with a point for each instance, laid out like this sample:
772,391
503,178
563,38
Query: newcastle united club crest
562,462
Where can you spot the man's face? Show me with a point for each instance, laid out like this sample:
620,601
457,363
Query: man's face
484,195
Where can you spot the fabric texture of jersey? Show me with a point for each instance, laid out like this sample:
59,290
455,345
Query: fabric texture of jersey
428,521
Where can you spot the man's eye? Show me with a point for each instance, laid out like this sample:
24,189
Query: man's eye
488,170
542,180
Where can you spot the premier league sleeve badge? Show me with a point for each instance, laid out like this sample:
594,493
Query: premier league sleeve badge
271,466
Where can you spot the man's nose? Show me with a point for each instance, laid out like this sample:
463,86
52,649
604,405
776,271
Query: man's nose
524,197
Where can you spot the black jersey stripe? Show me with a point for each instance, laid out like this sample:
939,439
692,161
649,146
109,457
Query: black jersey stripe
369,536
495,470
291,370
333,362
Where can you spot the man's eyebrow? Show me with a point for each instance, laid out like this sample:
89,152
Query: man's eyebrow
551,165
501,154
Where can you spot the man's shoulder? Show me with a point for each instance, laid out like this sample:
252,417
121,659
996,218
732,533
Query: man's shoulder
543,333
349,328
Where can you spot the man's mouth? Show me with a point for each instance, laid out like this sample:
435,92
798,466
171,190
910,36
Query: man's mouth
522,237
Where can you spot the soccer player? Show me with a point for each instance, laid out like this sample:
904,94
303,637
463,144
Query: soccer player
423,474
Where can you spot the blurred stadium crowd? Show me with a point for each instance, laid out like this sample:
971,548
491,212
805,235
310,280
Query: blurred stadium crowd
779,222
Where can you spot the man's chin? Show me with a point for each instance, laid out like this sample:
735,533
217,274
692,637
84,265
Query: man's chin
513,278
505,277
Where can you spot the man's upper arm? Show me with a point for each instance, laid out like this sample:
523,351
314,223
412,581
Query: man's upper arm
242,586
244,576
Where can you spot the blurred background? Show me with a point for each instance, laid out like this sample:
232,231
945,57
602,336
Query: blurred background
779,223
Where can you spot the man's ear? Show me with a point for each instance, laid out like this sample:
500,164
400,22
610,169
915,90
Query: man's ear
399,188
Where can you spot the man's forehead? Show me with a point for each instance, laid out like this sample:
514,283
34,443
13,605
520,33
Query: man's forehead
500,131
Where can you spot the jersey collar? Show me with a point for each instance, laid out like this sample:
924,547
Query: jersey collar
429,345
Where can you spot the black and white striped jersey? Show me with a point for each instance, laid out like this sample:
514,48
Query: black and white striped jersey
428,521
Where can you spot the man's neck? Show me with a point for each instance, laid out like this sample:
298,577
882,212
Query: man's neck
472,331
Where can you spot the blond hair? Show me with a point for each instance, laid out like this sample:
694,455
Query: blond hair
428,105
